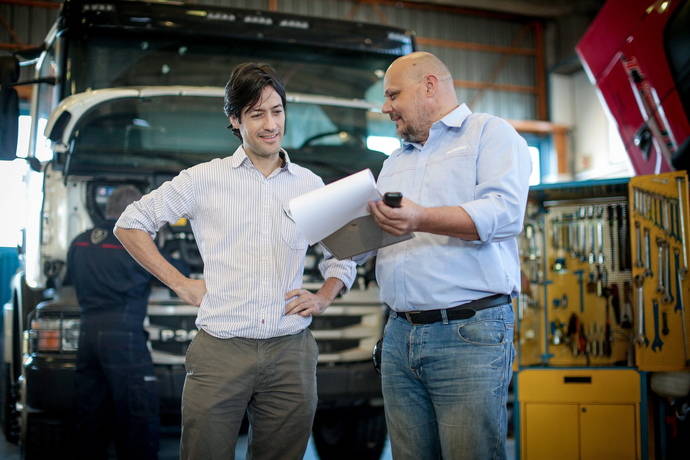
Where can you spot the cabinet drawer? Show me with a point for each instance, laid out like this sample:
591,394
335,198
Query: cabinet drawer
579,385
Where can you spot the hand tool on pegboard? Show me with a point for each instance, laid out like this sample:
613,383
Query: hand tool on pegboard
647,254
682,272
664,324
624,240
626,311
613,228
607,345
668,297
612,292
581,284
638,245
657,343
641,336
660,288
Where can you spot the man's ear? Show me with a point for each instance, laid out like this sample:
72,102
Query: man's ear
430,84
234,122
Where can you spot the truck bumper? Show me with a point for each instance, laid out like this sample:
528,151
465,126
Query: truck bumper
348,384
338,385
49,372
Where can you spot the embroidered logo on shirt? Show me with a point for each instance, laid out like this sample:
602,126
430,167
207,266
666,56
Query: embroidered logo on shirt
98,235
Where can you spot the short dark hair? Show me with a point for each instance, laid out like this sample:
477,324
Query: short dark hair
245,86
121,197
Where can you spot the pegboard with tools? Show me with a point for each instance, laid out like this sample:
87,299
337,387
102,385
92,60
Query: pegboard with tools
593,292
659,217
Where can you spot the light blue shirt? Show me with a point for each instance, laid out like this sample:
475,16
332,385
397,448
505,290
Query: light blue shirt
476,161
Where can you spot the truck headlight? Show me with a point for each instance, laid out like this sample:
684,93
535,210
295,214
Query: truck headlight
54,334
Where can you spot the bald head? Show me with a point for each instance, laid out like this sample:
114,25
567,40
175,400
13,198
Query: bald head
415,66
419,91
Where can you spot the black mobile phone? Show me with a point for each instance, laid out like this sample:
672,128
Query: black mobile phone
392,199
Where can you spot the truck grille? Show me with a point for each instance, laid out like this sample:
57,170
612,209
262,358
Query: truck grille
348,330
171,329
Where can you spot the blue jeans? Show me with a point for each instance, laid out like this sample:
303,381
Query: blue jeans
445,386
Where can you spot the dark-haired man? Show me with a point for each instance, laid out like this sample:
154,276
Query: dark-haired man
117,394
253,351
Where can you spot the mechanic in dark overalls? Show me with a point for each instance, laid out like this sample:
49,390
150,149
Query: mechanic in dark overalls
116,387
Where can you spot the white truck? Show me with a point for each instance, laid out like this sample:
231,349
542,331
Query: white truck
131,93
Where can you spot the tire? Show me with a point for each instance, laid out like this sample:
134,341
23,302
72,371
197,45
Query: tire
350,433
10,417
44,438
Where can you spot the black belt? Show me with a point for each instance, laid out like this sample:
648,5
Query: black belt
464,311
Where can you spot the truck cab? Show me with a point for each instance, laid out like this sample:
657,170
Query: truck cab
132,93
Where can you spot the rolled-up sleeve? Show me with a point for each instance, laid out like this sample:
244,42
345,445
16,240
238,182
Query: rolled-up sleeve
167,204
503,170
345,270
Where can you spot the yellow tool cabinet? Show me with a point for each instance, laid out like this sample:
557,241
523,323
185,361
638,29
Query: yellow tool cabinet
579,414
605,293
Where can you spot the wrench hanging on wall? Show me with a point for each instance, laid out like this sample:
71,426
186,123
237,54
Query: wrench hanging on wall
679,303
647,254
657,343
641,336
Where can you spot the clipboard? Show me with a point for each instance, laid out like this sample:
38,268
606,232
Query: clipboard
358,236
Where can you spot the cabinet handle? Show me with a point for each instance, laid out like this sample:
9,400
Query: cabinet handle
577,379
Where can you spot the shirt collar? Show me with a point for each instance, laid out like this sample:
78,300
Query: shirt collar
456,117
453,119
240,156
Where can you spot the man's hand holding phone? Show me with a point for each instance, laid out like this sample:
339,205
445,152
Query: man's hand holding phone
395,214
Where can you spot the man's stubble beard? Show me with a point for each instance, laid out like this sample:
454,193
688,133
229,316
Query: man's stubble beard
417,132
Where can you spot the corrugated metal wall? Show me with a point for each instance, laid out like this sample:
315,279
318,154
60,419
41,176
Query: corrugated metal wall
467,66
29,24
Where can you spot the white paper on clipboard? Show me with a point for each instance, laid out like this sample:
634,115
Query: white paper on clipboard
338,216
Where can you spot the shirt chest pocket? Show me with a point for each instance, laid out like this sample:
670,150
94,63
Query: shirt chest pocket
400,180
452,177
290,235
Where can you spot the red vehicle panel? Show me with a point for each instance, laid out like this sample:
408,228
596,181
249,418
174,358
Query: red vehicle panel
637,52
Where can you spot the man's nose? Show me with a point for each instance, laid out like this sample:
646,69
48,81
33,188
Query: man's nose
271,122
387,107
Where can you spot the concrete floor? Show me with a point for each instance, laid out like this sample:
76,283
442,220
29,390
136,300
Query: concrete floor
169,449
170,444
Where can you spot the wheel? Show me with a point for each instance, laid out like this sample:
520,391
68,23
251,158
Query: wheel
44,437
349,433
10,417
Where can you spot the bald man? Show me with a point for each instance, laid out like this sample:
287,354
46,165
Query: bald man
447,349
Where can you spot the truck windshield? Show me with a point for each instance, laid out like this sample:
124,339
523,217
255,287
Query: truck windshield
169,133
165,134
121,61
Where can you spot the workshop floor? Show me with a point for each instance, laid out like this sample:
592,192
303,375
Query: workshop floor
170,444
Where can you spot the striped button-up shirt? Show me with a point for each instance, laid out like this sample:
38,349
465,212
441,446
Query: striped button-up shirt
252,251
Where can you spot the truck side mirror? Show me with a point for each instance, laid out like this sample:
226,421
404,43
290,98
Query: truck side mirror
9,107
